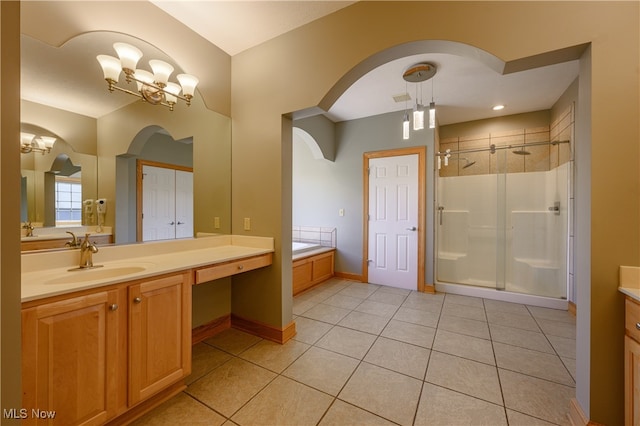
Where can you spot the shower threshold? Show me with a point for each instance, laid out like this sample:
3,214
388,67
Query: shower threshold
503,295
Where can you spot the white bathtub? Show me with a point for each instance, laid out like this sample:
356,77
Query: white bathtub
298,247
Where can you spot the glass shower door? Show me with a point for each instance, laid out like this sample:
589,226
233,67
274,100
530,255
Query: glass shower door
506,229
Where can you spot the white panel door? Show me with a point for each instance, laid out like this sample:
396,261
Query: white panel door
158,203
184,204
393,221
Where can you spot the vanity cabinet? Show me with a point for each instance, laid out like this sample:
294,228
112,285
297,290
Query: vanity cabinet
71,358
93,356
632,362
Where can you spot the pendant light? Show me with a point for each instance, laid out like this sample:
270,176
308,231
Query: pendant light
432,110
432,115
418,112
417,74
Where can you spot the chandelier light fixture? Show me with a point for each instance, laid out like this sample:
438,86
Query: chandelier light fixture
32,143
153,87
419,73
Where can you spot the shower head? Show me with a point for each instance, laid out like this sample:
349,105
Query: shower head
521,151
469,164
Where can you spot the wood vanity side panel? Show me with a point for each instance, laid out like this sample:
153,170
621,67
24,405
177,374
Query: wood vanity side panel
632,381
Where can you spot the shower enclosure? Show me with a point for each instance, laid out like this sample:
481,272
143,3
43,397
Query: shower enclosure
504,225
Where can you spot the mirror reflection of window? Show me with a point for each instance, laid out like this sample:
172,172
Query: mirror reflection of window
68,200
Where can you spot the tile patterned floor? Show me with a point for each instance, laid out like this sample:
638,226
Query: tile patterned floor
374,355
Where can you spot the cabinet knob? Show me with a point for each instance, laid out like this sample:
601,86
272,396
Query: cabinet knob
137,300
240,267
113,307
638,326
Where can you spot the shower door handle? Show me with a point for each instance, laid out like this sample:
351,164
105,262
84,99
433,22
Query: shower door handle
440,210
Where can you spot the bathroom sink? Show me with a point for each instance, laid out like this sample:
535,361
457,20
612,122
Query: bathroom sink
78,275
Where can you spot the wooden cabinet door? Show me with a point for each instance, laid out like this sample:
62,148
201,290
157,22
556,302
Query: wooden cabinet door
70,360
159,334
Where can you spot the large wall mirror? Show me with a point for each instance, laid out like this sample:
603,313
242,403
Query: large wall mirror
101,136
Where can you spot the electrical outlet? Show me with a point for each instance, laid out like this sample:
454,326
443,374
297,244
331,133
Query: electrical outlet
216,222
341,212
247,224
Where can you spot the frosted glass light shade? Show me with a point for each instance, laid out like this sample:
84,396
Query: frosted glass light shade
405,127
171,91
26,138
161,71
48,141
188,83
144,76
432,115
111,67
418,118
129,55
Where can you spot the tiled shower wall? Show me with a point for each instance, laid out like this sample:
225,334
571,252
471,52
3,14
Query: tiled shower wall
325,237
542,158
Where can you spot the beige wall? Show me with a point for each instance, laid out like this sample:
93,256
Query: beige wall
299,68
10,388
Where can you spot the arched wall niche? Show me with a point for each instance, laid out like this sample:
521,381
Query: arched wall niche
302,136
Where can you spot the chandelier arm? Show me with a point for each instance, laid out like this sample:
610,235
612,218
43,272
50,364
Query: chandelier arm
131,92
160,88
121,89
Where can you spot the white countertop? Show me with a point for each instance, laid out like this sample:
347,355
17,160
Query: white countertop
40,272
630,281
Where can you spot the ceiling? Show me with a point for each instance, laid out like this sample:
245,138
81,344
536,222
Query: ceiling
463,89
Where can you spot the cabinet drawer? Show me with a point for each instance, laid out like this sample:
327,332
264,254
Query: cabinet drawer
632,319
233,267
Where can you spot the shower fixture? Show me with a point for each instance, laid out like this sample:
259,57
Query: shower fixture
469,163
521,151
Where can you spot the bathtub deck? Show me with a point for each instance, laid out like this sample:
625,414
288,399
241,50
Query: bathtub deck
312,267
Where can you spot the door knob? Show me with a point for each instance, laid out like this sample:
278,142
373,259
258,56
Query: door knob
113,307
137,300
180,223
413,228
172,223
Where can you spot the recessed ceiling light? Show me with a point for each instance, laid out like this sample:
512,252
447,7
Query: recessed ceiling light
498,107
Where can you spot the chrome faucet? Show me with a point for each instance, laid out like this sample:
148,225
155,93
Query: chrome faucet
74,241
29,227
86,252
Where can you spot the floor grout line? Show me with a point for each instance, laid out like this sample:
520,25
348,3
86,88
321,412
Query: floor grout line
410,300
